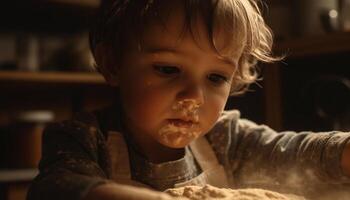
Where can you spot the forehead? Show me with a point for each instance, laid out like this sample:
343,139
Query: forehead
173,30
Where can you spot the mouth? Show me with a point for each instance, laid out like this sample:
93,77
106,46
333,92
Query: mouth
183,123
179,132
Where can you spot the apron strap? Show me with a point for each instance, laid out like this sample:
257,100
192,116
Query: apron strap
120,160
119,156
204,154
212,172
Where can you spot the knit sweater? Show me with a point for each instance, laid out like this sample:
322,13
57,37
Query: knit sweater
76,159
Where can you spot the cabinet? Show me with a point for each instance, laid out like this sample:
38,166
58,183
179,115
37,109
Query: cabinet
61,92
290,88
308,90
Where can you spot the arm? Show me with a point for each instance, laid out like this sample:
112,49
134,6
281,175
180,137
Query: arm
346,160
296,161
255,155
115,191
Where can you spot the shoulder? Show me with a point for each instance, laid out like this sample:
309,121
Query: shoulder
78,124
231,123
227,119
79,136
228,116
231,119
228,127
220,135
82,130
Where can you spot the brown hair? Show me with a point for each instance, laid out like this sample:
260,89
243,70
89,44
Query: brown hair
240,19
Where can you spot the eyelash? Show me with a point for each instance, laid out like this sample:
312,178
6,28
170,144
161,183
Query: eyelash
164,70
218,79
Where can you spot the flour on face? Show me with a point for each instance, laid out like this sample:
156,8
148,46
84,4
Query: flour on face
184,128
188,109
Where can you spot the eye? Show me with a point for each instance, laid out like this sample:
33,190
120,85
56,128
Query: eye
217,79
166,70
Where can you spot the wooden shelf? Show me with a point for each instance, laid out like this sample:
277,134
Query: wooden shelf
61,92
80,78
82,3
17,175
314,45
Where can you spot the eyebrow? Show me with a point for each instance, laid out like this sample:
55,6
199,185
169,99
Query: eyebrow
166,49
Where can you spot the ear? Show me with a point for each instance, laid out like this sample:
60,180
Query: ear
105,62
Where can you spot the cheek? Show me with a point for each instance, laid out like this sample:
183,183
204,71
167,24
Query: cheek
142,103
213,108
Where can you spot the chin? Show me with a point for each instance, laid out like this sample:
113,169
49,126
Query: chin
177,142
175,137
177,146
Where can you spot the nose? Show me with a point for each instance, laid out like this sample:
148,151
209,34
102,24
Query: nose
193,92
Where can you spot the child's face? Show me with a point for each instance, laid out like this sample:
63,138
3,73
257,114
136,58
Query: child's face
174,89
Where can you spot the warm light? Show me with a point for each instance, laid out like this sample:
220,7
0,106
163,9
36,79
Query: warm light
333,13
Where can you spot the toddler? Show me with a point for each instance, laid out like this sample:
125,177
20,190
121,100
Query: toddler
173,65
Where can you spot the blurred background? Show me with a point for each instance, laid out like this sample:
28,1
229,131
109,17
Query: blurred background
47,74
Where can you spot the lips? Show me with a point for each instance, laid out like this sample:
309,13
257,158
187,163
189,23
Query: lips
182,123
179,132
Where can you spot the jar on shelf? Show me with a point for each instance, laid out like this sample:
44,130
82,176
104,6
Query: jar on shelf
26,137
345,14
27,52
317,16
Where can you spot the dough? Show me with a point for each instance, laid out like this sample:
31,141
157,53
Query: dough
209,192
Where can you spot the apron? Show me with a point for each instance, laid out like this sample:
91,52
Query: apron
212,172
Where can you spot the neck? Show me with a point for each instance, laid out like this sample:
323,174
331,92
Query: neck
157,153
154,151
